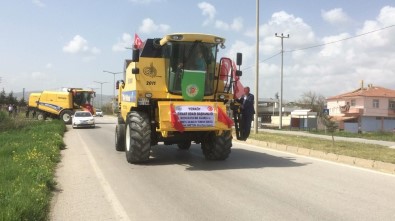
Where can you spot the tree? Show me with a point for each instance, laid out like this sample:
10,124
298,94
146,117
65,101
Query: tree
330,125
2,97
311,100
22,102
10,99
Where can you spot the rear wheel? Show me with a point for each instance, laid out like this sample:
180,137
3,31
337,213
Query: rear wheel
66,116
184,145
138,137
120,137
41,116
217,147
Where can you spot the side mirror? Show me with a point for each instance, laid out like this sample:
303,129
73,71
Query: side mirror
239,59
117,85
135,55
239,73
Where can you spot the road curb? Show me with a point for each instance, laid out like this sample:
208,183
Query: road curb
353,161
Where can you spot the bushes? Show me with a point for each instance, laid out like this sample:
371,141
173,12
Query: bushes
7,123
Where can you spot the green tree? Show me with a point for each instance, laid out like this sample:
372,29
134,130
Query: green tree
10,99
331,126
2,97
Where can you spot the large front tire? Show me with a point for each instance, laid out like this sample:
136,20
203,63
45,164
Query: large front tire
138,137
217,147
120,137
66,116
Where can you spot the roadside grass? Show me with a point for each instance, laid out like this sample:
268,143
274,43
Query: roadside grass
385,136
352,149
29,153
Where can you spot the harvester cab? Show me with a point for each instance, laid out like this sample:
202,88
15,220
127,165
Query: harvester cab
83,99
174,91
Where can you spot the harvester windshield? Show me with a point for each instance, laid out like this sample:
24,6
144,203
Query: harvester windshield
82,98
191,61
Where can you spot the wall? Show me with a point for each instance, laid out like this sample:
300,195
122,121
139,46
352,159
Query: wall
377,124
351,127
276,120
382,111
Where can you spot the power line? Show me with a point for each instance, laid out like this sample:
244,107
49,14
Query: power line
340,40
263,60
320,45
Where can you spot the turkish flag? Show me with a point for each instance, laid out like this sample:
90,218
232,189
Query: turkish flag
175,121
223,117
225,69
137,41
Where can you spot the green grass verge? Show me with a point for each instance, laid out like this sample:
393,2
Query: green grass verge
385,136
352,149
29,152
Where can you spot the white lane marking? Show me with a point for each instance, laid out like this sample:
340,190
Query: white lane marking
317,159
110,195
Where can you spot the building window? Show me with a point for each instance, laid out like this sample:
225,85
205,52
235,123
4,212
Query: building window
376,103
391,105
353,103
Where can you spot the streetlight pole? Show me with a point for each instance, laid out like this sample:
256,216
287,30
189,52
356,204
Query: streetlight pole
101,92
257,70
281,81
113,95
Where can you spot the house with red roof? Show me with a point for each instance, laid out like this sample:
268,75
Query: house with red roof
365,109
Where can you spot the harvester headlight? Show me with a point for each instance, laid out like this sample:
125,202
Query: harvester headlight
176,37
148,95
221,96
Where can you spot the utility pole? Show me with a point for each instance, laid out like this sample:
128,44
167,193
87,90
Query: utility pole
113,95
257,70
101,92
281,90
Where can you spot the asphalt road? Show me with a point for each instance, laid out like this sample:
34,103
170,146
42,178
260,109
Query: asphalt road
96,183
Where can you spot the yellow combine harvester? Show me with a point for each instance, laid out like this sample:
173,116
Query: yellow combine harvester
60,104
174,91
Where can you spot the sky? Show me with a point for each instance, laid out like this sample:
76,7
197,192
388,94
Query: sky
332,45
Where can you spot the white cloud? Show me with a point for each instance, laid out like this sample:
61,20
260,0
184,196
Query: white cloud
95,50
330,69
301,34
80,45
148,26
335,16
48,66
77,44
125,41
236,25
39,3
334,49
208,10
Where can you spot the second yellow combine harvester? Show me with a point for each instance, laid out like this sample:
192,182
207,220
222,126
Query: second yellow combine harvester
174,91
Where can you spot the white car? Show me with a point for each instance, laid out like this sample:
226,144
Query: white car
99,113
83,119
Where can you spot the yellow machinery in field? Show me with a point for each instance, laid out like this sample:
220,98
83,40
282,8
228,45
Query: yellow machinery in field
60,104
174,91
